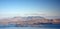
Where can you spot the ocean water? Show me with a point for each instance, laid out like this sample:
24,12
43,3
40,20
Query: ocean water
46,26
27,28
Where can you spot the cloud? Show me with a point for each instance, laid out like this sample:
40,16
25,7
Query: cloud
35,14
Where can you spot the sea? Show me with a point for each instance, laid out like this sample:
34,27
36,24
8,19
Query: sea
43,26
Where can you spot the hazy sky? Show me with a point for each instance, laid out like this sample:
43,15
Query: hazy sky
10,8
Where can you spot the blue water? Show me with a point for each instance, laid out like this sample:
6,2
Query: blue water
27,28
45,26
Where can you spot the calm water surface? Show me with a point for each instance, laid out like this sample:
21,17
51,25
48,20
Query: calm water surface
40,27
27,28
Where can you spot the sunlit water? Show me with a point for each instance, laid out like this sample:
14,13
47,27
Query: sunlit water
57,26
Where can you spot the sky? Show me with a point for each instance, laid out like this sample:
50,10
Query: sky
11,8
